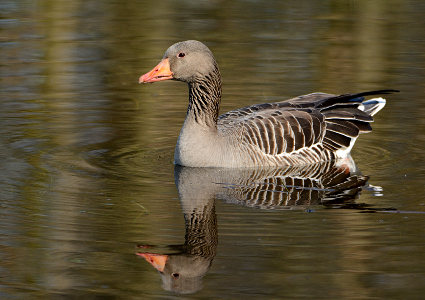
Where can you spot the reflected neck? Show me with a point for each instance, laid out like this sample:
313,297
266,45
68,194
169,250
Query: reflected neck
201,236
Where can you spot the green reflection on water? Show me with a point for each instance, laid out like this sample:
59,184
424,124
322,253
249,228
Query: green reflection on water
83,146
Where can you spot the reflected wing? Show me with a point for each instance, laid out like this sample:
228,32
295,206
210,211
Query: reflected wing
295,187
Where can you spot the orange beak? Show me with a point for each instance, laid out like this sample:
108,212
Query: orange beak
156,260
160,72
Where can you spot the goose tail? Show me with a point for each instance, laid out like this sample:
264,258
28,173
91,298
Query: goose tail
373,106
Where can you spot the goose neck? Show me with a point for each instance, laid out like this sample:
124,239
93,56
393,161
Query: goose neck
204,99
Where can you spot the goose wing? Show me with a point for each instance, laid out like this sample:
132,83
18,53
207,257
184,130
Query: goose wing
233,117
278,131
284,127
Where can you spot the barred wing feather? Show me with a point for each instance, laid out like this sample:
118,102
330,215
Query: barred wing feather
283,128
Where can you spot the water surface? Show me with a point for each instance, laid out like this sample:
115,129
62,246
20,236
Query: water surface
86,173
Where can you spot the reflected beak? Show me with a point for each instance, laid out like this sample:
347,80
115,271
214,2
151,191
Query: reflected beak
160,72
156,260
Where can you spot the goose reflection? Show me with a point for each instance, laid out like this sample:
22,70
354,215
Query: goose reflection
182,272
328,184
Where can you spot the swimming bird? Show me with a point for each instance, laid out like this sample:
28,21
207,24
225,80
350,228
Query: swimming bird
307,129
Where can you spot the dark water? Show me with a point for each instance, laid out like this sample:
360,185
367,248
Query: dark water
86,173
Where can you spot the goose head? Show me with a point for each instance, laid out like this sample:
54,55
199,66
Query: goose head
187,61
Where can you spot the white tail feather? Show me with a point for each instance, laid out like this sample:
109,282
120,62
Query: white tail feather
372,106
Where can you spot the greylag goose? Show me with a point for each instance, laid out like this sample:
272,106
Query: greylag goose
302,130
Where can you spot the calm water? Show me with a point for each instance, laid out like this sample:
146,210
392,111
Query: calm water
86,174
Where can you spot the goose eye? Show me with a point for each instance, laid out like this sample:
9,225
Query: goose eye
181,54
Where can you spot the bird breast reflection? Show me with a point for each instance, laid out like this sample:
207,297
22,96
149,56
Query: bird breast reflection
327,184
